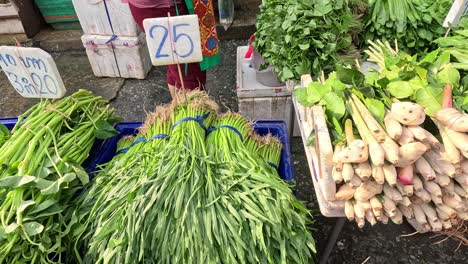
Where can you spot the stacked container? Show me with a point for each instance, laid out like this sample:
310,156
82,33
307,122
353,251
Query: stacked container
261,96
115,45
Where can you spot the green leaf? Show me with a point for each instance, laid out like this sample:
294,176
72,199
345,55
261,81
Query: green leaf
430,57
443,59
33,228
82,175
42,206
287,73
304,46
350,76
104,130
4,131
377,108
15,181
312,94
55,187
400,89
448,74
11,228
311,138
430,98
24,205
335,105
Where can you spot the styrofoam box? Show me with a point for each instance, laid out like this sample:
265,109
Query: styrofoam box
10,23
260,102
94,20
125,57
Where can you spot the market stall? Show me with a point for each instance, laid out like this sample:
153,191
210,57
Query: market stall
383,143
377,91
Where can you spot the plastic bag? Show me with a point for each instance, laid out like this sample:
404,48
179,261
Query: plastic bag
226,12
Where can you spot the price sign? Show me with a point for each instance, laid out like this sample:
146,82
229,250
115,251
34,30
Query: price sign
458,9
32,72
173,40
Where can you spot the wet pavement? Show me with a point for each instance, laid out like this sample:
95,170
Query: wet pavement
133,98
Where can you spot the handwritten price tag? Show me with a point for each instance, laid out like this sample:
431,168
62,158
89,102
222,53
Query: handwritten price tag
32,72
173,40
458,9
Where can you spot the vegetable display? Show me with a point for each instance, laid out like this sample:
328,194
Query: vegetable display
41,172
413,23
400,138
193,186
299,36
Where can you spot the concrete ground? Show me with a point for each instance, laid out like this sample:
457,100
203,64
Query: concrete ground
132,98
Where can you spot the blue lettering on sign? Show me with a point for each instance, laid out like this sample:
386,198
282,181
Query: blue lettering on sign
176,38
37,64
47,77
11,75
7,60
161,45
183,35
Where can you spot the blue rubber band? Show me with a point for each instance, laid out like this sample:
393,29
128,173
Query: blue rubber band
199,119
272,165
159,136
113,37
125,150
235,130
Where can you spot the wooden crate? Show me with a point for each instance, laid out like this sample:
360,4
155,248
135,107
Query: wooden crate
319,157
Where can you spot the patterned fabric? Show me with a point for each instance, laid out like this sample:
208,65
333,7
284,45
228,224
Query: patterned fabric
209,37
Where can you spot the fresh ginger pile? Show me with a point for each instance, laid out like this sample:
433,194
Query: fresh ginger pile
402,169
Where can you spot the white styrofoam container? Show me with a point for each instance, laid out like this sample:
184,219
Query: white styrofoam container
125,57
10,22
257,101
93,18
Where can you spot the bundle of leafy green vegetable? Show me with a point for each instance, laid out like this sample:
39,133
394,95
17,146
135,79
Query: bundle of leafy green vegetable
192,187
305,36
40,172
413,23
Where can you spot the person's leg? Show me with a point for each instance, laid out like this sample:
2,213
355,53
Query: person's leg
140,14
193,77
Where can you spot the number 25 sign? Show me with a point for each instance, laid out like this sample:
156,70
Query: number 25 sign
173,40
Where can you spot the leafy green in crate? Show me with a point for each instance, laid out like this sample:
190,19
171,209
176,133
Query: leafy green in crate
306,36
413,23
192,187
41,172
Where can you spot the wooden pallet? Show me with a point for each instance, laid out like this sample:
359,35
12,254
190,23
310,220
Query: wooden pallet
319,157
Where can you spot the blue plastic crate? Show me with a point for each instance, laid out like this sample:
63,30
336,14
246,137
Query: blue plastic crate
276,128
104,151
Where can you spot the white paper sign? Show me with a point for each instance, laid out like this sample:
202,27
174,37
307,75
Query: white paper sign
458,9
32,72
173,40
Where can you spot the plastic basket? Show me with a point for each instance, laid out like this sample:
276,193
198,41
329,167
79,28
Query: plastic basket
103,151
57,11
276,128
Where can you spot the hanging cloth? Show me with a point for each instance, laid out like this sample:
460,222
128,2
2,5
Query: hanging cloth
209,38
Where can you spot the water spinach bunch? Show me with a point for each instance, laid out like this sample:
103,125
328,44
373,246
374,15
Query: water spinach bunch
41,171
196,189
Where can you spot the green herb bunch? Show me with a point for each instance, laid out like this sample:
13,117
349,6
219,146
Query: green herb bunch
305,36
41,172
209,192
413,23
